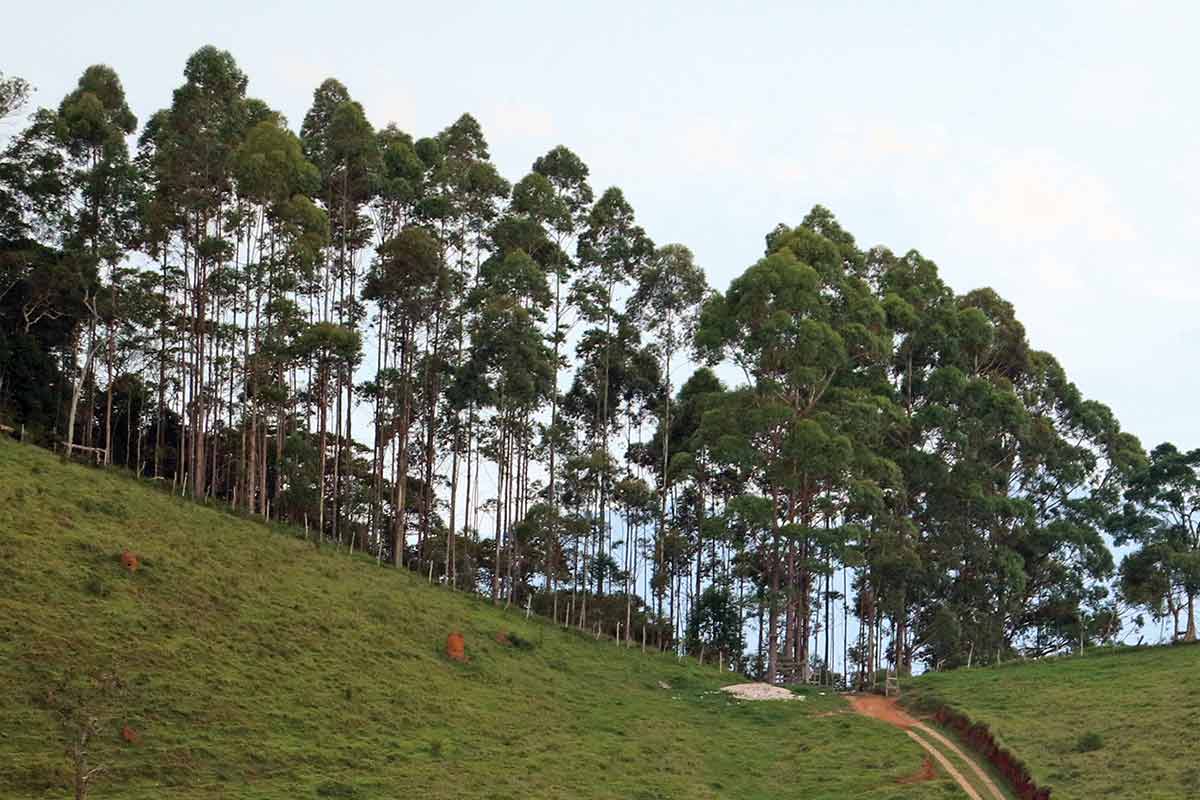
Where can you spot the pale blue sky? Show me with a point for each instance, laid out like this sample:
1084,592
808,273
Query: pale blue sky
1048,152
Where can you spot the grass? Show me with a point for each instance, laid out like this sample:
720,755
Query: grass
1115,723
251,664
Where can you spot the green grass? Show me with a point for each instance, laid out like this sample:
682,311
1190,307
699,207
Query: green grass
1111,724
253,665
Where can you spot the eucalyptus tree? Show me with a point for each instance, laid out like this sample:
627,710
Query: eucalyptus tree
554,197
14,92
43,281
667,303
410,282
69,182
564,218
612,250
189,152
332,349
286,234
1161,516
510,359
803,329
1029,470
464,199
95,120
921,313
616,379
681,454
400,197
341,143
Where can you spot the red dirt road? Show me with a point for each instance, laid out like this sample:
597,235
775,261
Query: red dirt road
885,709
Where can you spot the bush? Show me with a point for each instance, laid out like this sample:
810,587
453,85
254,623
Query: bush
97,586
335,789
519,642
1089,742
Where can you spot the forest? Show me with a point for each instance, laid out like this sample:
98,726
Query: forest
511,389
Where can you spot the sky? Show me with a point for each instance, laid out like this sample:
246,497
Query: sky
1045,150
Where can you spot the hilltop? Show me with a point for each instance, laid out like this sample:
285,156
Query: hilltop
245,662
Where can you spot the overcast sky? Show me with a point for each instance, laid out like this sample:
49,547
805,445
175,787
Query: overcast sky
1049,153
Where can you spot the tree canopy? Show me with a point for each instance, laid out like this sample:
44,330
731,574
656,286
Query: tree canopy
511,388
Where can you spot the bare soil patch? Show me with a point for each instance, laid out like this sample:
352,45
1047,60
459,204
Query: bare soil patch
758,691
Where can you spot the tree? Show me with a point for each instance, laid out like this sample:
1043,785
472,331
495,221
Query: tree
612,250
332,349
14,91
804,330
667,302
510,357
286,234
716,624
189,150
340,141
1161,515
408,280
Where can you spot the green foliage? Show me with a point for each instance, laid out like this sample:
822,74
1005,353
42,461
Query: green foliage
1161,515
715,624
14,91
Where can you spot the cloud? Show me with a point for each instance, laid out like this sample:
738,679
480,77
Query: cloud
1038,196
1125,96
709,144
1169,283
843,154
516,119
395,107
1057,274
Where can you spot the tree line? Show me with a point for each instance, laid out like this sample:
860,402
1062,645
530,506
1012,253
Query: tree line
382,339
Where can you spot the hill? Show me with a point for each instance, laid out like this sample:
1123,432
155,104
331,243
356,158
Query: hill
245,662
1113,723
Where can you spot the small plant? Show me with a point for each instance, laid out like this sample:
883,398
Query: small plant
519,642
96,586
1089,742
85,707
435,749
335,789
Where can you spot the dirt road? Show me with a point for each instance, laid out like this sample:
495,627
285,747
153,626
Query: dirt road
888,710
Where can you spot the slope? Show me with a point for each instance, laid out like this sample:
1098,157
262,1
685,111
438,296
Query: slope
244,662
1113,723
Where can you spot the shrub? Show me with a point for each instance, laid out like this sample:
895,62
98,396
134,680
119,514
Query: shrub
96,586
519,642
1089,742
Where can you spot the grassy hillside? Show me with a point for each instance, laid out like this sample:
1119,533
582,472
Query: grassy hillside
249,664
1114,723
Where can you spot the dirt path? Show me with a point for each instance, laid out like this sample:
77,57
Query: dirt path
888,710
